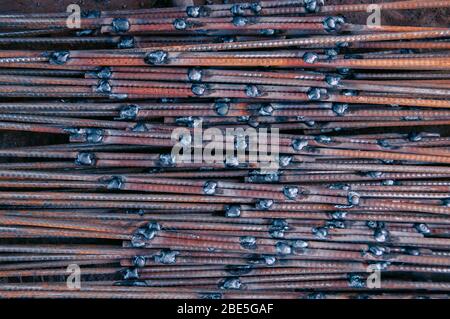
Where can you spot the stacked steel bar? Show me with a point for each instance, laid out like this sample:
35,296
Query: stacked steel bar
362,188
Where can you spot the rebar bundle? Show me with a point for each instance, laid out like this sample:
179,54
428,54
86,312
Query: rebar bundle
361,185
